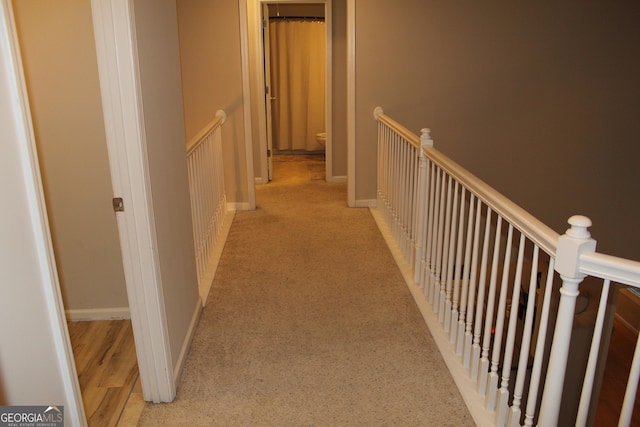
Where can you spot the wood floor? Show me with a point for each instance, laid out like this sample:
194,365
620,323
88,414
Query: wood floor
616,372
107,367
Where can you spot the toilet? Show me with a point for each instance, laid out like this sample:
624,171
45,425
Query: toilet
321,138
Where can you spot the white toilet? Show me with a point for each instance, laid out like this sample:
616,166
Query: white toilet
321,138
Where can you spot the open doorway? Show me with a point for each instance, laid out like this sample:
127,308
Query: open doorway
256,15
294,46
64,95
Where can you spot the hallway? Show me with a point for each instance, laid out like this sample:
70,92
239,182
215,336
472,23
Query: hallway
309,322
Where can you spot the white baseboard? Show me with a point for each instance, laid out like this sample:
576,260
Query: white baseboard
210,272
260,180
89,314
339,178
242,206
177,369
366,203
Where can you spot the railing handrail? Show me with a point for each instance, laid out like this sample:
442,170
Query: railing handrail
414,139
616,269
541,234
195,142
537,231
424,203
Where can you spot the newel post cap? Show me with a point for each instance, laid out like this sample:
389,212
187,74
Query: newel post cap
579,227
425,137
576,241
222,115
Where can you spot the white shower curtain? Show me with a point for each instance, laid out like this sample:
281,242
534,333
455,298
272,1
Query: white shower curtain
297,55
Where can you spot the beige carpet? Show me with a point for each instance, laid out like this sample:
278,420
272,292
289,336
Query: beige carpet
309,323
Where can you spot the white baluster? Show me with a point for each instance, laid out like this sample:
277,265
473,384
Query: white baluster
444,277
430,230
437,285
421,206
457,273
488,320
465,279
575,241
525,344
492,389
435,252
587,385
631,390
475,357
536,371
468,335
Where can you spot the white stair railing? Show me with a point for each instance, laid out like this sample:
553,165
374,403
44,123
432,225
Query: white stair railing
486,273
207,192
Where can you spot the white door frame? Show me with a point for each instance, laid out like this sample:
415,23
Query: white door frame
269,98
22,122
351,103
254,26
116,48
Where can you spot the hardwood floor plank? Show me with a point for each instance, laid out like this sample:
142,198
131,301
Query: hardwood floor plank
105,356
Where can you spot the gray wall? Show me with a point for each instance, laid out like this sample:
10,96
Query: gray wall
59,57
540,100
159,62
212,80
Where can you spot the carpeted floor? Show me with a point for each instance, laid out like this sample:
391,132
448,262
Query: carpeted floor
309,323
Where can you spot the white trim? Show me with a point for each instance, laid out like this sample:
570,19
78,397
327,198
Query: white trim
260,180
212,266
91,314
240,206
246,102
365,203
42,235
114,29
481,417
351,102
340,178
328,13
177,370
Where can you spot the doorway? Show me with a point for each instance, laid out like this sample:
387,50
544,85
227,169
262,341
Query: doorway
294,46
72,152
260,99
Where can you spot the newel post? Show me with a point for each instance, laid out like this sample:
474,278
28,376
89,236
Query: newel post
576,241
421,211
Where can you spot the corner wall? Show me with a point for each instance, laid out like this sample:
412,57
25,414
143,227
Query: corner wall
540,100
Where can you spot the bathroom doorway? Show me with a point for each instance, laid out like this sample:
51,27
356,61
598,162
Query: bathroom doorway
294,38
295,106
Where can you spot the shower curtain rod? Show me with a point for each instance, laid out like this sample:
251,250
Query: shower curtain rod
314,18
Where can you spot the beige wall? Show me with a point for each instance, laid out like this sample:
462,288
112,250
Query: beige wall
58,50
30,372
212,80
540,100
156,27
